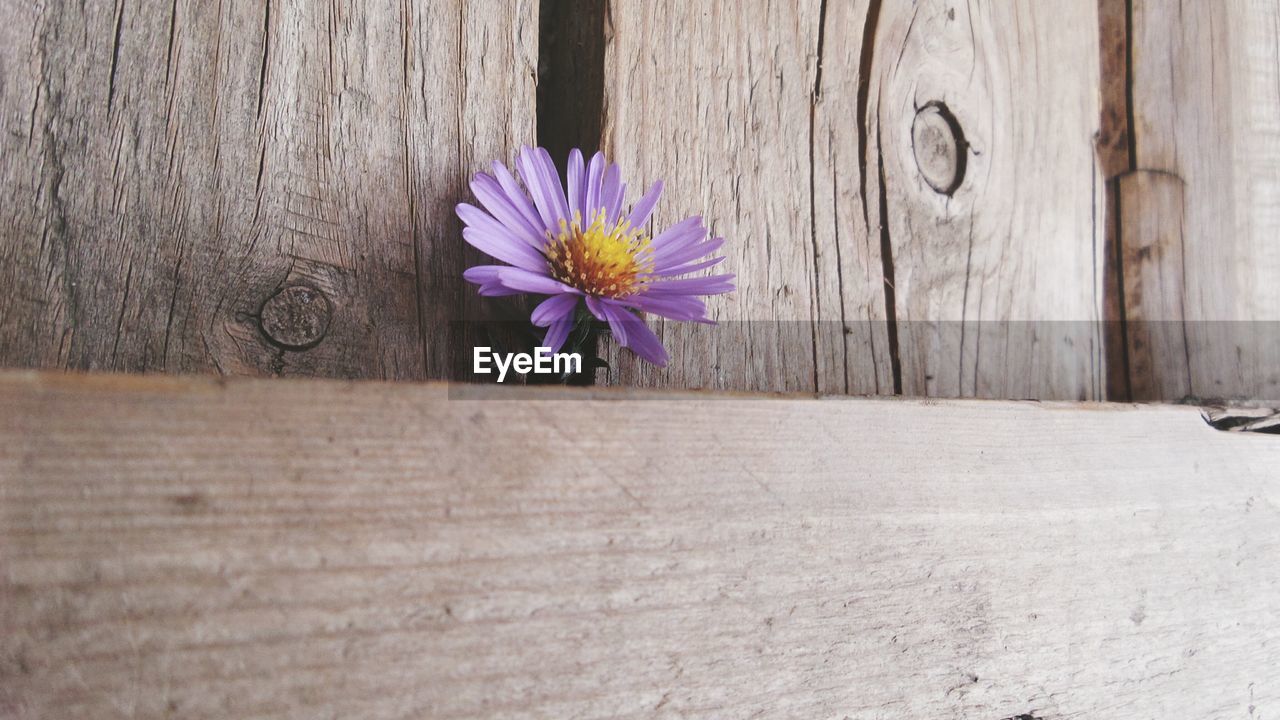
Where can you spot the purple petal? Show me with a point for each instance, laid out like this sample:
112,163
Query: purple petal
640,213
575,177
676,307
611,193
692,268
492,237
615,208
593,304
591,194
490,194
616,324
553,309
552,177
519,198
633,333
646,344
502,246
496,289
532,282
558,333
679,236
709,285
530,166
486,276
666,259
482,274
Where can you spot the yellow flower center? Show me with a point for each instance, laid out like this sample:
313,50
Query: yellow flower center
603,260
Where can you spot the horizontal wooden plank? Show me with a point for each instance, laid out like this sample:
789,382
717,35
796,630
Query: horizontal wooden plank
300,549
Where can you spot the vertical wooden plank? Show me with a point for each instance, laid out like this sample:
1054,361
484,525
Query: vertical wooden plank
720,101
494,83
1206,107
983,118
856,348
800,122
173,169
1151,212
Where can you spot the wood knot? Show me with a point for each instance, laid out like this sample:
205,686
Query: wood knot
296,317
939,147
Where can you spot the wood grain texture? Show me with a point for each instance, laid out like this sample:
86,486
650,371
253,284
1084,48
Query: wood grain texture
718,101
1153,257
1206,109
790,127
997,285
855,345
168,169
300,549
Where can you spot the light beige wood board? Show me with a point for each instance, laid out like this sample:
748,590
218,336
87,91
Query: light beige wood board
169,167
997,284
724,102
790,127
1206,110
301,549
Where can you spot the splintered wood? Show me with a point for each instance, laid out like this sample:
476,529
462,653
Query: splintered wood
303,549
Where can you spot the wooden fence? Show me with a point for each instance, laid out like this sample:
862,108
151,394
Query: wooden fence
1072,200
1068,200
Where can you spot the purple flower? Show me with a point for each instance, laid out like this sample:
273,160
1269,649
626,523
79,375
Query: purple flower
580,246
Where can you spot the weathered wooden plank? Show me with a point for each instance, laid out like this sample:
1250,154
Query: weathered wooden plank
1154,243
855,346
1206,109
170,169
181,547
719,102
793,127
996,273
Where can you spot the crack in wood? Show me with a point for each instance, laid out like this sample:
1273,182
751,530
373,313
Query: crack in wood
814,99
115,57
866,63
1131,122
266,56
173,25
124,306
886,260
1116,338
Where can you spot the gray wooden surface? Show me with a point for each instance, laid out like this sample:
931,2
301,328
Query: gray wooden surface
1200,207
791,128
1063,201
168,168
180,547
